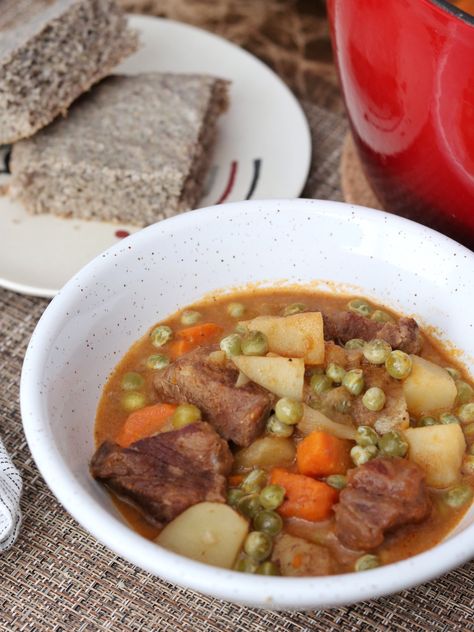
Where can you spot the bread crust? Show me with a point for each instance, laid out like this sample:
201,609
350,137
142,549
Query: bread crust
133,150
51,53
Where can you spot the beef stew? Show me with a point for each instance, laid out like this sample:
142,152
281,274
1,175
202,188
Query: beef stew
294,433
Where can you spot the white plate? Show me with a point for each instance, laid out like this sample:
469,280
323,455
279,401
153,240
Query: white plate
263,151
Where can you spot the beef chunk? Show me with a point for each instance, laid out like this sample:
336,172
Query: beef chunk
238,414
394,415
165,474
343,326
347,358
381,494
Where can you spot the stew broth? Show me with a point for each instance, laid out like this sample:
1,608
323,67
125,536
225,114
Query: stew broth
400,543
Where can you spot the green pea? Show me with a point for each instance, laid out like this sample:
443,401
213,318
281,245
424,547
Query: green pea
343,405
468,430
365,435
465,392
458,496
254,481
454,373
366,562
468,465
268,568
393,443
190,317
335,372
249,505
381,317
398,364
377,351
314,402
361,455
246,565
360,306
161,335
466,413
255,343
236,310
315,370
258,545
272,496
294,308
354,381
241,329
157,361
278,428
184,415
374,399
289,411
234,495
355,343
320,383
268,522
132,381
427,421
133,401
338,481
231,345
448,418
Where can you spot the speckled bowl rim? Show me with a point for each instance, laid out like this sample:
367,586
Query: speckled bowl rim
276,593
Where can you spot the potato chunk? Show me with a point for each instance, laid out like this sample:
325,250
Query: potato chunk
428,388
315,420
212,533
297,336
282,376
267,452
439,451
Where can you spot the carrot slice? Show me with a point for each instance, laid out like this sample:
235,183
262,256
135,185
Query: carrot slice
191,337
179,347
235,479
297,560
322,454
144,422
200,333
305,497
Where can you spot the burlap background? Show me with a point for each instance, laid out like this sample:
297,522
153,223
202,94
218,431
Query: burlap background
57,577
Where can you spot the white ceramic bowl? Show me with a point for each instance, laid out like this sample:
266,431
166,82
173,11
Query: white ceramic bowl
111,303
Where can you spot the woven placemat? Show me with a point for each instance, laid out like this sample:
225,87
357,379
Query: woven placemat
291,36
58,578
354,184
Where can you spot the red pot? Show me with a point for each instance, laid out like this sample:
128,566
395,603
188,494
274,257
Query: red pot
407,73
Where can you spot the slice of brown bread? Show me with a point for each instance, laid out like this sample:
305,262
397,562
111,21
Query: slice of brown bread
135,149
51,51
